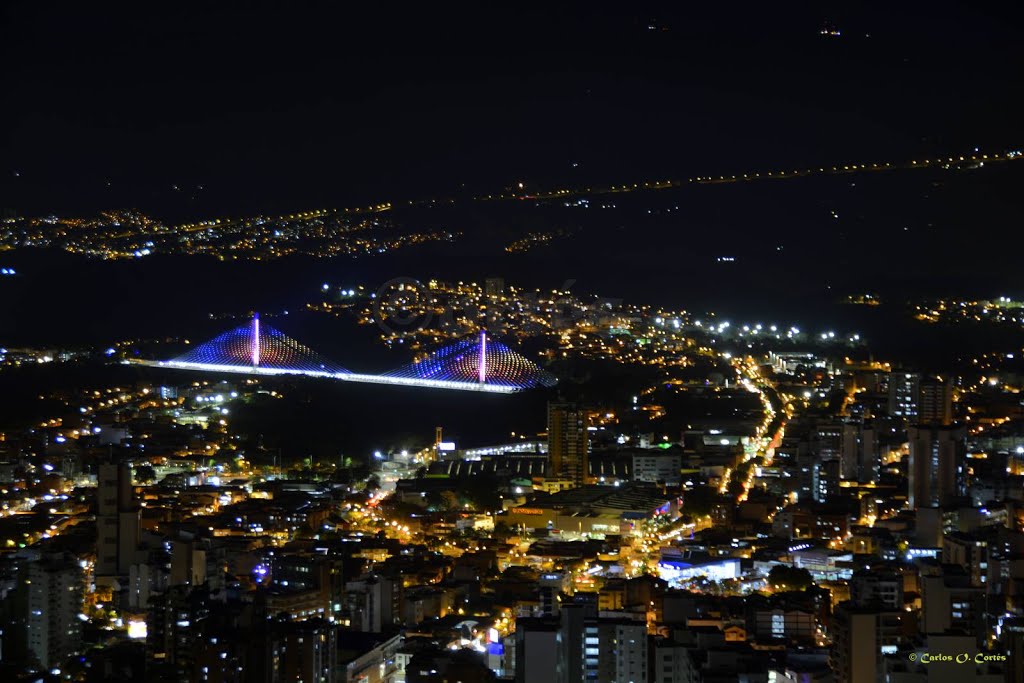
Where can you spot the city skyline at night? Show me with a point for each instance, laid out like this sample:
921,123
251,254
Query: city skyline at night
575,343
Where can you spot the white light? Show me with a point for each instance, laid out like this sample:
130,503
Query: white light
137,630
344,377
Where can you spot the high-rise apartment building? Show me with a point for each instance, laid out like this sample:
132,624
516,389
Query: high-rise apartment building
920,399
903,390
117,521
568,442
374,603
858,635
934,470
54,603
935,401
858,453
536,649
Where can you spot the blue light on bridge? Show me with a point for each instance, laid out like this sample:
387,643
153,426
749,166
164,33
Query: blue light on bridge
474,364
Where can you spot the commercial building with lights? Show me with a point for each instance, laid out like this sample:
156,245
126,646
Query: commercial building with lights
593,511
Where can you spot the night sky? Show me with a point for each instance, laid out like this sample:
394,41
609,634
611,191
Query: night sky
266,106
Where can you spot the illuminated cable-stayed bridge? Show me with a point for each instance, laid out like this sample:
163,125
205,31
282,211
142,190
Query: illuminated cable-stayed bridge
473,364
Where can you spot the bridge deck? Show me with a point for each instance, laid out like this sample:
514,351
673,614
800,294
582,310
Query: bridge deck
343,376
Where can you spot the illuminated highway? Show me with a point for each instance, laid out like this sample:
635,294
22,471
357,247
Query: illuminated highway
978,159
